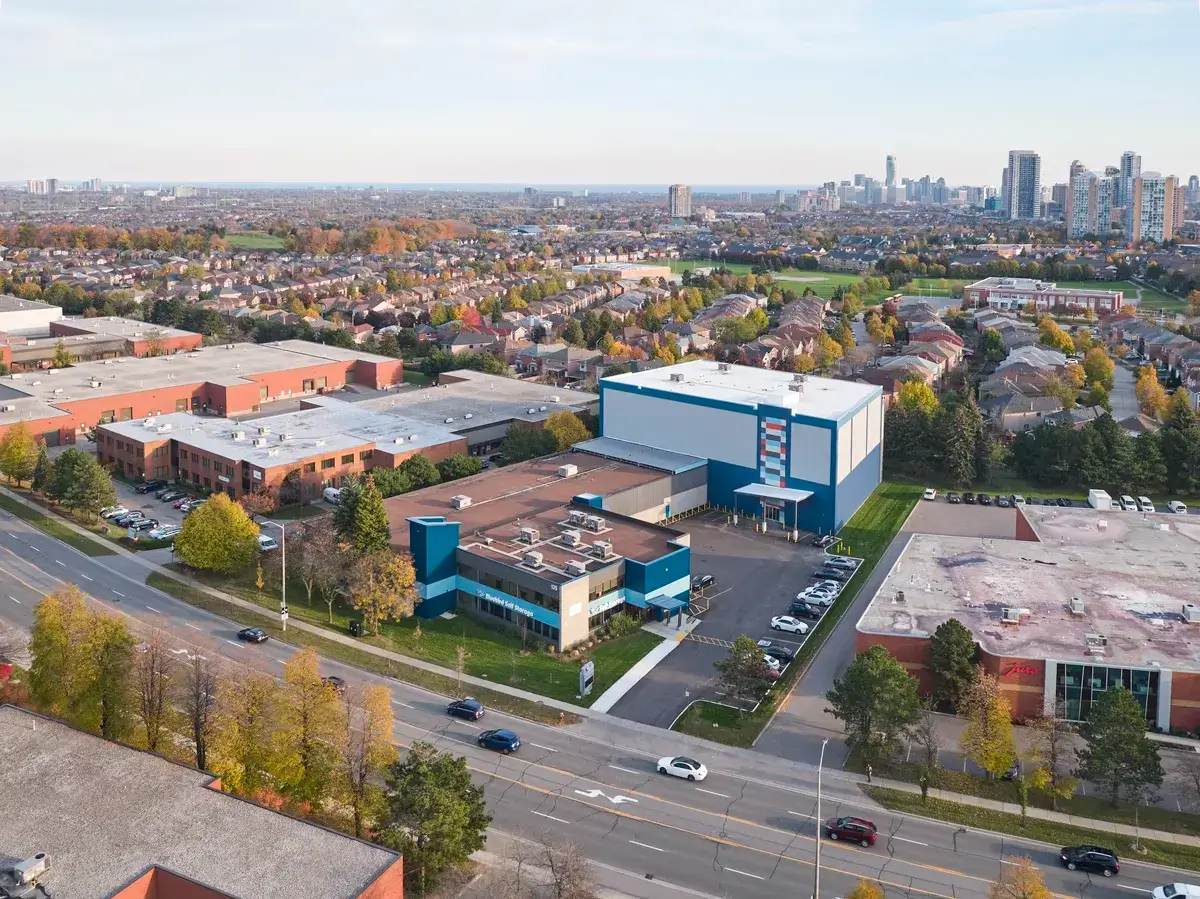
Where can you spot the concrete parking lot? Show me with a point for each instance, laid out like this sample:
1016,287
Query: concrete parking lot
757,576
165,513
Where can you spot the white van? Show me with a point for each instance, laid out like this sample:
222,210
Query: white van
1144,504
1176,891
332,494
1128,504
266,544
1177,507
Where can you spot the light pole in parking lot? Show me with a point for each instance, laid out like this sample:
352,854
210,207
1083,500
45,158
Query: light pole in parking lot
817,862
283,609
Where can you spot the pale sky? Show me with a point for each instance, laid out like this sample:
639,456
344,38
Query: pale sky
592,92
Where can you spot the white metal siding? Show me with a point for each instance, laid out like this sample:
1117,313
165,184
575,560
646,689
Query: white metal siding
29,321
874,424
844,451
860,439
682,427
810,450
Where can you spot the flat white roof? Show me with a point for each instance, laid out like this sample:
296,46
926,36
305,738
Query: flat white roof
749,386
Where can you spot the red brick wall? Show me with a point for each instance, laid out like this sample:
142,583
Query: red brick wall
135,459
388,885
1025,530
435,454
158,883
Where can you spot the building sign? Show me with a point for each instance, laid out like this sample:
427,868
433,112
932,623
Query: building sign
256,474
587,676
604,603
499,600
223,479
1021,669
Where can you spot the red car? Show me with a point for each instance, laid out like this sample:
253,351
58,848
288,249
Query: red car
852,830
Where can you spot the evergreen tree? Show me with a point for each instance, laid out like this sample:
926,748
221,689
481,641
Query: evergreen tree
952,661
1149,469
346,510
1119,757
876,698
372,534
91,491
957,446
69,470
43,470
1181,444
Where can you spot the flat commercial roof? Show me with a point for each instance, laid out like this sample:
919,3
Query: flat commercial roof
126,328
1133,573
475,400
106,813
532,494
10,303
749,386
329,427
637,454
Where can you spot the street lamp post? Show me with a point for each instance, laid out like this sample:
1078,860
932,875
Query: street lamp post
283,609
820,824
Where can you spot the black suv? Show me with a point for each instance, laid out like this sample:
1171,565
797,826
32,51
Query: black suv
801,609
151,486
969,498
1091,858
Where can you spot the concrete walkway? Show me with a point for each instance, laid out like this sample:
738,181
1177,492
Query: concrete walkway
671,638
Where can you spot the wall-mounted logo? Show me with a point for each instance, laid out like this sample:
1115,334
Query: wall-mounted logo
1021,669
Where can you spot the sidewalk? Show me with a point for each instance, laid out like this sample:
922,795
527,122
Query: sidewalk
671,637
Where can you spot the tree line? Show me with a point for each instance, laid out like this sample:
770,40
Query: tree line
946,439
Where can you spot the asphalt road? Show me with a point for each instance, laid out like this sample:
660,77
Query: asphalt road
746,831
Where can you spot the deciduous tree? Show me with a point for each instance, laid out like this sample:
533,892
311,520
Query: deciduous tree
917,396
218,535
1019,879
62,669
153,670
18,453
1097,366
458,466
419,471
197,697
245,751
566,428
741,672
310,725
866,889
988,737
876,699
366,752
1117,755
1151,396
1053,754
381,587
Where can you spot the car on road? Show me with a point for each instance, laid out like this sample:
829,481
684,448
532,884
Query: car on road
682,766
129,518
471,709
252,635
832,574
1177,507
953,498
823,540
780,653
1176,891
332,495
846,563
969,498
929,494
113,512
500,740
169,496
984,499
801,609
164,532
143,524
1090,858
789,624
702,581
151,486
852,830
339,685
266,544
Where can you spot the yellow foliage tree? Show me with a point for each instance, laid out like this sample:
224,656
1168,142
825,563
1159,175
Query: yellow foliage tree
18,453
988,737
1151,395
381,588
218,536
366,750
828,351
245,751
566,428
866,889
914,395
1019,879
309,728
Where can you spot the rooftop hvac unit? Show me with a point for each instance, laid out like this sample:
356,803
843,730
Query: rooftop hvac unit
900,596
461,501
286,435
9,408
799,378
162,429
533,559
1191,613
568,471
571,537
18,376
575,567
1077,607
796,387
28,872
398,440
676,376
530,535
576,516
1097,644
238,435
594,523
263,429
723,366
260,441
602,549
1012,616
148,422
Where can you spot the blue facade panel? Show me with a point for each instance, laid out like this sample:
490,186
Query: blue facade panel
434,543
859,484
668,575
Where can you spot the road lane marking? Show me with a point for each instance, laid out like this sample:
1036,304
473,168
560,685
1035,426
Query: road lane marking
744,873
547,748
398,702
84,576
34,548
152,609
645,845
551,817
711,792
231,643
800,814
17,601
626,770
192,626
1135,889
119,593
903,840
58,562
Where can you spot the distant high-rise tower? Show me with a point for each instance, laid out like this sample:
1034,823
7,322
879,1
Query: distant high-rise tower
744,196
1024,184
890,174
1151,212
679,201
1090,202
52,186
1193,189
1129,171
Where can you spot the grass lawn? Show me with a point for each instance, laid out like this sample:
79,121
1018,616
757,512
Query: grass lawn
822,283
254,240
293,513
866,535
938,287
446,685
1034,828
417,377
55,528
492,653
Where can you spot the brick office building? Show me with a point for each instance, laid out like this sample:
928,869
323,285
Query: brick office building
1080,602
59,405
315,446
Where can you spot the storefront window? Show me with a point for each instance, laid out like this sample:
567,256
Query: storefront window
1078,686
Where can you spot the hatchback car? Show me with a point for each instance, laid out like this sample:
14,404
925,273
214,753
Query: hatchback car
801,609
252,635
682,766
984,499
930,493
832,574
164,532
500,740
789,624
471,709
953,498
113,512
1090,858
702,581
853,830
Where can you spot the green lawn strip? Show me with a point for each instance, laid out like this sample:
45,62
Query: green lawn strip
1151,817
438,683
254,240
1051,832
1000,484
492,653
416,377
55,528
293,513
866,535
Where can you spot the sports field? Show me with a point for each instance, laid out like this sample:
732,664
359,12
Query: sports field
254,240
823,284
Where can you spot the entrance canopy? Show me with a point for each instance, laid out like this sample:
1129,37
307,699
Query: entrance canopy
668,604
779,494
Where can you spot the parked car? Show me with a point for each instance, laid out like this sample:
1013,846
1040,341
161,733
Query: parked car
846,563
984,499
801,609
1064,502
702,581
1128,503
1144,504
336,682
471,709
1002,502
771,662
823,540
969,498
853,830
833,574
779,653
929,494
1017,500
113,512
164,532
682,766
162,494
252,635
129,518
151,486
953,498
500,740
169,496
266,544
332,494
1177,507
1091,858
789,624
143,524
181,502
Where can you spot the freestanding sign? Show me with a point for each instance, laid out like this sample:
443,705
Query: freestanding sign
587,675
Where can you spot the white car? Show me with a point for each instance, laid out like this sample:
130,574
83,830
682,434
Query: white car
1177,507
162,533
930,493
266,544
771,662
113,512
682,766
788,623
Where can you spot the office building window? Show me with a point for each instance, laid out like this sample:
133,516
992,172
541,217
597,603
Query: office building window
1078,686
365,455
121,446
208,484
328,463
263,393
204,463
106,416
321,383
195,457
307,386
229,470
348,459
310,467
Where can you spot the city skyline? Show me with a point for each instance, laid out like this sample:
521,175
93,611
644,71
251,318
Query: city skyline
149,94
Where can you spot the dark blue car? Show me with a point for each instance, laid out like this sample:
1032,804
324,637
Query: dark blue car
500,740
471,709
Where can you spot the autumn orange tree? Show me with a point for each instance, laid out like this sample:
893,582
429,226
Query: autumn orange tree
1019,879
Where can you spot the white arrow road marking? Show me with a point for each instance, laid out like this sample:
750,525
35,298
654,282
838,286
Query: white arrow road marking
595,794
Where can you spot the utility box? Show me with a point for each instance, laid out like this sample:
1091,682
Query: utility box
356,628
1099,499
